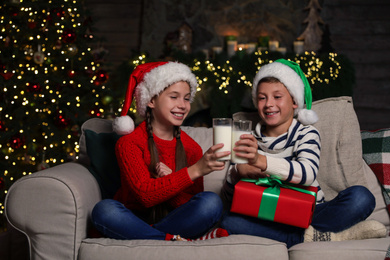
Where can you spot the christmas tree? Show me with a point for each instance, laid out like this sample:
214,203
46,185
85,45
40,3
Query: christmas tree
52,80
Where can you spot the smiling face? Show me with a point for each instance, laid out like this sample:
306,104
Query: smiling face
275,107
171,106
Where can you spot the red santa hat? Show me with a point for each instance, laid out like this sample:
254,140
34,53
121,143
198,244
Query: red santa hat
147,81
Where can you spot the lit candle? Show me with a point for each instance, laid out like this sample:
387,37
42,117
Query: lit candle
250,48
282,50
231,45
273,45
298,47
217,50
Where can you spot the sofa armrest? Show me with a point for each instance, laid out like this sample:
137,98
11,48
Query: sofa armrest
52,208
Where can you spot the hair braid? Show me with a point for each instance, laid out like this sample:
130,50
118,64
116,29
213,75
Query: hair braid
180,158
154,159
159,211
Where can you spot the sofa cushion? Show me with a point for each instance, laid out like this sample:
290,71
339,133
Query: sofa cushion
346,250
232,247
341,163
98,125
204,137
103,163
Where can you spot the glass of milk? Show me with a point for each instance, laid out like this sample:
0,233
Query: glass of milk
222,133
240,127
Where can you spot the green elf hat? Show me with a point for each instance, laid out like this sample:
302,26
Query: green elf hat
291,75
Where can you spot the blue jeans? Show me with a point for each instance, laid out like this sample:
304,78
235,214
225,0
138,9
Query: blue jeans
348,208
190,220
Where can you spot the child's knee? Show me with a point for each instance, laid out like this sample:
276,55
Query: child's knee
362,198
211,203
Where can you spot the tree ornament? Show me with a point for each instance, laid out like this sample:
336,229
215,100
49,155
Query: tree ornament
29,52
99,54
39,56
26,159
71,73
59,12
17,141
31,24
107,100
49,61
7,42
95,112
43,165
68,36
89,71
61,121
72,49
7,75
75,129
71,156
13,11
100,77
2,183
58,45
2,126
34,87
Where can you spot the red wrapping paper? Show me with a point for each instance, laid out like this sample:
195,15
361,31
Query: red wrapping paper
293,207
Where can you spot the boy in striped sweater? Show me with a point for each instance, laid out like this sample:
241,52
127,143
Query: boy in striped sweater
286,146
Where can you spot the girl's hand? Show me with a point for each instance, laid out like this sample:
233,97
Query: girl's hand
162,169
208,163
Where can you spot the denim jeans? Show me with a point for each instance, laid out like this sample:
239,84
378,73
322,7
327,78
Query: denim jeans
349,207
190,220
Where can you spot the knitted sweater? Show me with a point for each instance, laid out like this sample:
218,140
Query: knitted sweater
292,157
139,190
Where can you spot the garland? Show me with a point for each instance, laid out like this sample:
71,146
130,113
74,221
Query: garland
225,83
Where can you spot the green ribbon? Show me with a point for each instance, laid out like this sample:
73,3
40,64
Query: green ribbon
270,196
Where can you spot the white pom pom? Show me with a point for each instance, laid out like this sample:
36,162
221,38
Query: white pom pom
307,117
123,125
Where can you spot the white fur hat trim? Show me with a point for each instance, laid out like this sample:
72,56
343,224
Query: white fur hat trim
294,85
159,79
123,125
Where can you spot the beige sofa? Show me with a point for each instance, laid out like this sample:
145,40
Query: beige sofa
52,207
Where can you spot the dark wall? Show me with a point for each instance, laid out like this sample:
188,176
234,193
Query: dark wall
359,29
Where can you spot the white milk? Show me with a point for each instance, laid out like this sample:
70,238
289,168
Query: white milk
235,137
223,134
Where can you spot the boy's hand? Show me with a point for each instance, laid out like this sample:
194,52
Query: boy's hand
247,147
250,172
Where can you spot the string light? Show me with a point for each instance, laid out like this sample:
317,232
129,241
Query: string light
47,71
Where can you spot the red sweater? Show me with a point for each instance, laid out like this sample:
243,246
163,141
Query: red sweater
139,191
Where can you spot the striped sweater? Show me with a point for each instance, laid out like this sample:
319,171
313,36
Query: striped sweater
292,157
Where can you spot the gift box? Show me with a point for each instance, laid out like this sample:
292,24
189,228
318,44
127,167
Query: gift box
270,199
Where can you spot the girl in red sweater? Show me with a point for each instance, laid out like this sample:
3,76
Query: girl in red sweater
162,168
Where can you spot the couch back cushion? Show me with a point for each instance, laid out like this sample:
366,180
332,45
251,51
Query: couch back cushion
204,137
341,163
97,153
